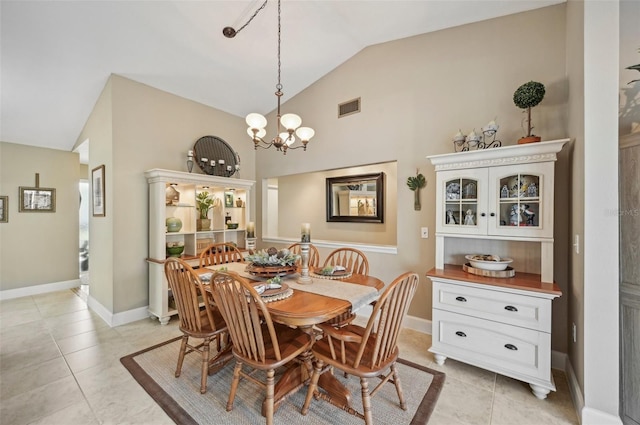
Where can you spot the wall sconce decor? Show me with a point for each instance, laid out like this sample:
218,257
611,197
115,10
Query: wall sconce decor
215,157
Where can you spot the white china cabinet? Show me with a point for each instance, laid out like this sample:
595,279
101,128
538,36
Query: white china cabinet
172,194
496,201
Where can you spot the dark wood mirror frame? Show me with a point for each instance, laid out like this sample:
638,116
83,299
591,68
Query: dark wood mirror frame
358,198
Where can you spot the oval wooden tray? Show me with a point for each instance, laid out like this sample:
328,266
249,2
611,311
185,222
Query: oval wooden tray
508,272
270,271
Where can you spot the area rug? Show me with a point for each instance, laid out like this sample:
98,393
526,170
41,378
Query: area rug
180,398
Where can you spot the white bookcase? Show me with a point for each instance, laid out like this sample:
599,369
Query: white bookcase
163,183
496,201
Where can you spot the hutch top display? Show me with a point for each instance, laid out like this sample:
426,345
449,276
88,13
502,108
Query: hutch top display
497,194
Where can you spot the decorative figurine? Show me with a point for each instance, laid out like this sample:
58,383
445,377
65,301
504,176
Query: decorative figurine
468,218
450,219
515,216
532,190
470,190
504,192
529,215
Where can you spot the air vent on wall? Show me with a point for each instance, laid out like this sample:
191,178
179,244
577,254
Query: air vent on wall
349,107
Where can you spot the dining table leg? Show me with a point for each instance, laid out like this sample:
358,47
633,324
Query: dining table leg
299,372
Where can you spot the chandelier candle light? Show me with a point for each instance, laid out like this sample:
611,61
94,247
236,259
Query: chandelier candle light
305,241
284,140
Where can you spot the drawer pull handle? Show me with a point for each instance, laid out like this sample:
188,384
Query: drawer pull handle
510,308
464,335
511,347
461,299
483,215
492,214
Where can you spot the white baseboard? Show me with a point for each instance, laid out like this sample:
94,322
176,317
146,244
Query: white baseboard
117,319
417,324
561,361
591,416
26,291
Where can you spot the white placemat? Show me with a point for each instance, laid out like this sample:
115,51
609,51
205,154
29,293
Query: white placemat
358,295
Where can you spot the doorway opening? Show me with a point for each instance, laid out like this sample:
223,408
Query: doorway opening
84,238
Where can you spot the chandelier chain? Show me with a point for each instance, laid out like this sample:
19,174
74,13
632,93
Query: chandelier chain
279,86
252,16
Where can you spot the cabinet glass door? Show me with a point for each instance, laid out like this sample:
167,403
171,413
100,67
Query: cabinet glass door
519,198
462,203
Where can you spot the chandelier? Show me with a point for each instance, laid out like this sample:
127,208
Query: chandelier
288,124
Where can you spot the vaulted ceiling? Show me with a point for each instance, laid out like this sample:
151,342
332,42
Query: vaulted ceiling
56,56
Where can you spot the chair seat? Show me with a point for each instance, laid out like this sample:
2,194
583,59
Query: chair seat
207,330
322,351
292,342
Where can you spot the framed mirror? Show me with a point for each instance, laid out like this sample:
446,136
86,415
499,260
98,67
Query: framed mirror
357,198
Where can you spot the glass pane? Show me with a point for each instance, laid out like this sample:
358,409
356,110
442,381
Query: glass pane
452,189
469,189
470,214
452,215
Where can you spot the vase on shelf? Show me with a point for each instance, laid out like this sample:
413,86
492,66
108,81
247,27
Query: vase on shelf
174,224
238,202
203,224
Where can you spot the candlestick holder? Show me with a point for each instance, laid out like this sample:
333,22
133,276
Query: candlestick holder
304,278
251,245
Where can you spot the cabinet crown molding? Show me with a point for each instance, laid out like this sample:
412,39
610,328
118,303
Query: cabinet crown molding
159,175
506,155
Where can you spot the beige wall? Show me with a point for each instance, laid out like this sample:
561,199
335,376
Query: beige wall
308,191
149,128
575,71
416,93
49,239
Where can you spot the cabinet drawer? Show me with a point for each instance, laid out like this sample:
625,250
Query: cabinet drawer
521,310
500,347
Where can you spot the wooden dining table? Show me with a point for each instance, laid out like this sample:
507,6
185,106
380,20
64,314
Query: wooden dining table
304,309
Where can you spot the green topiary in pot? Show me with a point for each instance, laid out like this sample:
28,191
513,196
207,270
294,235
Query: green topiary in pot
204,202
526,97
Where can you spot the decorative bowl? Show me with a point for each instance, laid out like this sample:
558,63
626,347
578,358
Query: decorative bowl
488,262
232,225
175,251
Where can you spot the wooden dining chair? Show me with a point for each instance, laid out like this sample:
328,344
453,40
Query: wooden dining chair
352,260
366,352
314,255
204,323
258,342
220,253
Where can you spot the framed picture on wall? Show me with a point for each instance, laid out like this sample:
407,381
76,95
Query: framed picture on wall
4,209
37,199
228,199
97,191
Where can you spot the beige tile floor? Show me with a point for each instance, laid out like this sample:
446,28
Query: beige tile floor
59,364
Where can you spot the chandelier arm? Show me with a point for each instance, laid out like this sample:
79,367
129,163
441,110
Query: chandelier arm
281,138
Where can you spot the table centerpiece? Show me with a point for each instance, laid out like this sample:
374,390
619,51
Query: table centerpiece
272,262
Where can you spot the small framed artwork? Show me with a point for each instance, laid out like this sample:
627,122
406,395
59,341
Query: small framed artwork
97,191
37,199
4,209
228,199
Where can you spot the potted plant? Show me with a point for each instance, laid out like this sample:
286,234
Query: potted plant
415,184
204,202
526,97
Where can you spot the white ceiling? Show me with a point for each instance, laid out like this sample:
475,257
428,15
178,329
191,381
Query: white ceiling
56,56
